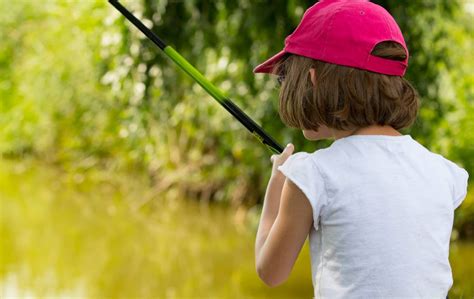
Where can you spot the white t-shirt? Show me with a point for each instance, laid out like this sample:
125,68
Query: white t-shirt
383,211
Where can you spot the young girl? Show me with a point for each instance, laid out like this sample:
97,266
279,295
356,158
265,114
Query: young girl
377,205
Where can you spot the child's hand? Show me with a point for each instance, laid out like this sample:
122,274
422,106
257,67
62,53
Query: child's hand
278,160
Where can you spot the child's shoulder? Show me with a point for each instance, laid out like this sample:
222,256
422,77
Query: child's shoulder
458,178
450,166
456,171
322,155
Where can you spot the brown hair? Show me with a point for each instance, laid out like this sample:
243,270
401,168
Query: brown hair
345,98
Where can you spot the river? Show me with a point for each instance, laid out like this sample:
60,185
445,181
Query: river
103,234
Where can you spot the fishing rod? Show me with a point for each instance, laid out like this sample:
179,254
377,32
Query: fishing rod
215,92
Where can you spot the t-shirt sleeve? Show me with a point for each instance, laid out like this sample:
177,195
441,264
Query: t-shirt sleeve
460,177
302,170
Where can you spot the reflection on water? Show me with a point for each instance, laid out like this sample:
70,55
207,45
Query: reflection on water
103,234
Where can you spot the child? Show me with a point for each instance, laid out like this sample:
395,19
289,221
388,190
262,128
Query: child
377,205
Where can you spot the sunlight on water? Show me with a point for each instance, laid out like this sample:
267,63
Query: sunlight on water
11,289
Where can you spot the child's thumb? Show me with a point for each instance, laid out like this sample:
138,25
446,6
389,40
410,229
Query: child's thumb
288,150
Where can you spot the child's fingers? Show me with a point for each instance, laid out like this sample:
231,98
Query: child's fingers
284,155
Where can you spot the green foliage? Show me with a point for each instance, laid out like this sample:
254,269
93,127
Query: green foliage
51,100
83,87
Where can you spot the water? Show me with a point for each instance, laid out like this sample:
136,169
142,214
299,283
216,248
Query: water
101,234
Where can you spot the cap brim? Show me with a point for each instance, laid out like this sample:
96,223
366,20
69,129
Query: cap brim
267,66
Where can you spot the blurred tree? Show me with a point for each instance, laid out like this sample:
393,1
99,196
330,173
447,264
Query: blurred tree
82,86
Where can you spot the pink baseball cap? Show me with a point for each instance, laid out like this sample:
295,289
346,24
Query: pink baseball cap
344,33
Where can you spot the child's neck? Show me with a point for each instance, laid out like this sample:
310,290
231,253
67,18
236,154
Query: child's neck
370,130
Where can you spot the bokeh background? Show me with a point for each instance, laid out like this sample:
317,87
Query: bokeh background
121,178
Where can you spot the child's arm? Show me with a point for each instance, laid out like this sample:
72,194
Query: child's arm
284,226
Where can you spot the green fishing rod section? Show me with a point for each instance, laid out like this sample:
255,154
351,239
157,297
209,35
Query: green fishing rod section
221,98
215,92
195,74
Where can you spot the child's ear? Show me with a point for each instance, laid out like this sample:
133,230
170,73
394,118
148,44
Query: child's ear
312,72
